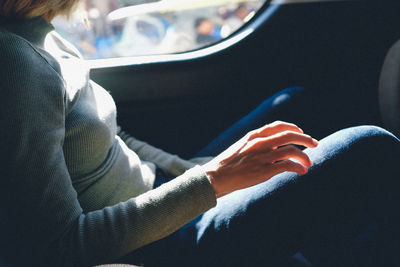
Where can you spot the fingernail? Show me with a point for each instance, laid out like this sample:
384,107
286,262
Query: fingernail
315,141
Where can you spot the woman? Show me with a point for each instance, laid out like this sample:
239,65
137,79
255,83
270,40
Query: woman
76,191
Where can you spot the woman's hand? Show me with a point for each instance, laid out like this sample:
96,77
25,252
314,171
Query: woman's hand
258,156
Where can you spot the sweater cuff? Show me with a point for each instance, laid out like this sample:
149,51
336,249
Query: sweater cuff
200,186
195,191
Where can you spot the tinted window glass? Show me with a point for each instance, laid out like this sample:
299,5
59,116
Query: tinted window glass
117,28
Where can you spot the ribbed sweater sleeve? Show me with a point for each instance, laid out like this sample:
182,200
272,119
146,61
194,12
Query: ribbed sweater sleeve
171,163
44,223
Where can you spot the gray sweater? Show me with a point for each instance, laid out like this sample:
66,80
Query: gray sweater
73,189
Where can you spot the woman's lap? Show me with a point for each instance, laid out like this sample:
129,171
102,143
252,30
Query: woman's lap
273,220
353,170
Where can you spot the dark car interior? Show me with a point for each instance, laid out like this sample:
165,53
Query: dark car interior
335,49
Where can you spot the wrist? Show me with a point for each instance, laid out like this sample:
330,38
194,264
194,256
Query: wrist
212,175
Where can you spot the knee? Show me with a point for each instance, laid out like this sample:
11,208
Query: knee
293,91
289,94
367,143
379,141
364,134
284,98
371,135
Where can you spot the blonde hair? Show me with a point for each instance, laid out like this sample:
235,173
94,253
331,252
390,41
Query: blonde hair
35,8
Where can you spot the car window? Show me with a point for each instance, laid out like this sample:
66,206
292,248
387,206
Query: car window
119,28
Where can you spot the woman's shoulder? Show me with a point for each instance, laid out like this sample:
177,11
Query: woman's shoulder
14,47
17,51
23,66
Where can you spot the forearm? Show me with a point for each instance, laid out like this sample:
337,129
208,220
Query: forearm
110,233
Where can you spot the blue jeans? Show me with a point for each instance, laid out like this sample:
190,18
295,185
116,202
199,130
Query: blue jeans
330,214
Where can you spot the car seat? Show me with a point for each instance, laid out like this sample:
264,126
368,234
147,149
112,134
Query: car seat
389,90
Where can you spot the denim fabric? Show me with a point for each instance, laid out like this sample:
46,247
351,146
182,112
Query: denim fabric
332,212
317,115
280,106
354,170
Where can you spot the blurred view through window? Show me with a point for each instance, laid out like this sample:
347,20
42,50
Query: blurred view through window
118,28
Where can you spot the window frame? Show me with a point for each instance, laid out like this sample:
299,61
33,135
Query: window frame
267,10
263,14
